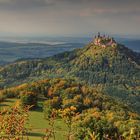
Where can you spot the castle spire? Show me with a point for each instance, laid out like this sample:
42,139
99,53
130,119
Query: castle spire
104,41
99,34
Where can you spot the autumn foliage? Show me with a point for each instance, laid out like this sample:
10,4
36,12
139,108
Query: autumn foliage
13,122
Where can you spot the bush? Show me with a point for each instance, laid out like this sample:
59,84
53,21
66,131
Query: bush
13,123
92,128
9,93
2,97
28,98
56,103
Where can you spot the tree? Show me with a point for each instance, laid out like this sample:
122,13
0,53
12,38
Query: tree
28,98
13,122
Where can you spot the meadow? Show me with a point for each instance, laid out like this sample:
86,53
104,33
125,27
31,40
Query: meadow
37,123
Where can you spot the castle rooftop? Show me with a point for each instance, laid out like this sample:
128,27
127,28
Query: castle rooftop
103,41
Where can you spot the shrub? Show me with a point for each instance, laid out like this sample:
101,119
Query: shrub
91,128
53,103
10,93
13,123
28,98
68,114
2,97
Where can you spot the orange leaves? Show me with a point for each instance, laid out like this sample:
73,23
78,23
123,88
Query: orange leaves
50,92
69,112
97,115
87,101
13,121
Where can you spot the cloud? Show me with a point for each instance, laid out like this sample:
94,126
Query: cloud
5,1
96,6
24,4
71,16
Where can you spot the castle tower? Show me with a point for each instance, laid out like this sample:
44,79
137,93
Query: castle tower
99,35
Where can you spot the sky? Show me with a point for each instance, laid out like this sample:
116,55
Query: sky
69,17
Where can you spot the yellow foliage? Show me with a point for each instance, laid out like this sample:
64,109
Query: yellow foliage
97,115
87,101
110,115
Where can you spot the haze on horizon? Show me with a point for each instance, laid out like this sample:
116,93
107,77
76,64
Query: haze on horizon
69,17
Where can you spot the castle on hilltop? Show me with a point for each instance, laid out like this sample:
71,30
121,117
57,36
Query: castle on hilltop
104,41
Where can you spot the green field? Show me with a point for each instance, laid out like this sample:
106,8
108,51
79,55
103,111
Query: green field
37,122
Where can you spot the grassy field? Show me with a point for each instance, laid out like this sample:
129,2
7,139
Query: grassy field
37,122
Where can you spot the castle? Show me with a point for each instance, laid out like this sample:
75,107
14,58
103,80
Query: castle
104,41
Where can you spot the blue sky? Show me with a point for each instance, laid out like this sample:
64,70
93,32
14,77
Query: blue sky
69,17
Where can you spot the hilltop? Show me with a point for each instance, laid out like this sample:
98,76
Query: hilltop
103,41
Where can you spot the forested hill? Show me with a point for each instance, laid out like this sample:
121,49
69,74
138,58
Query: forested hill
103,62
96,63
